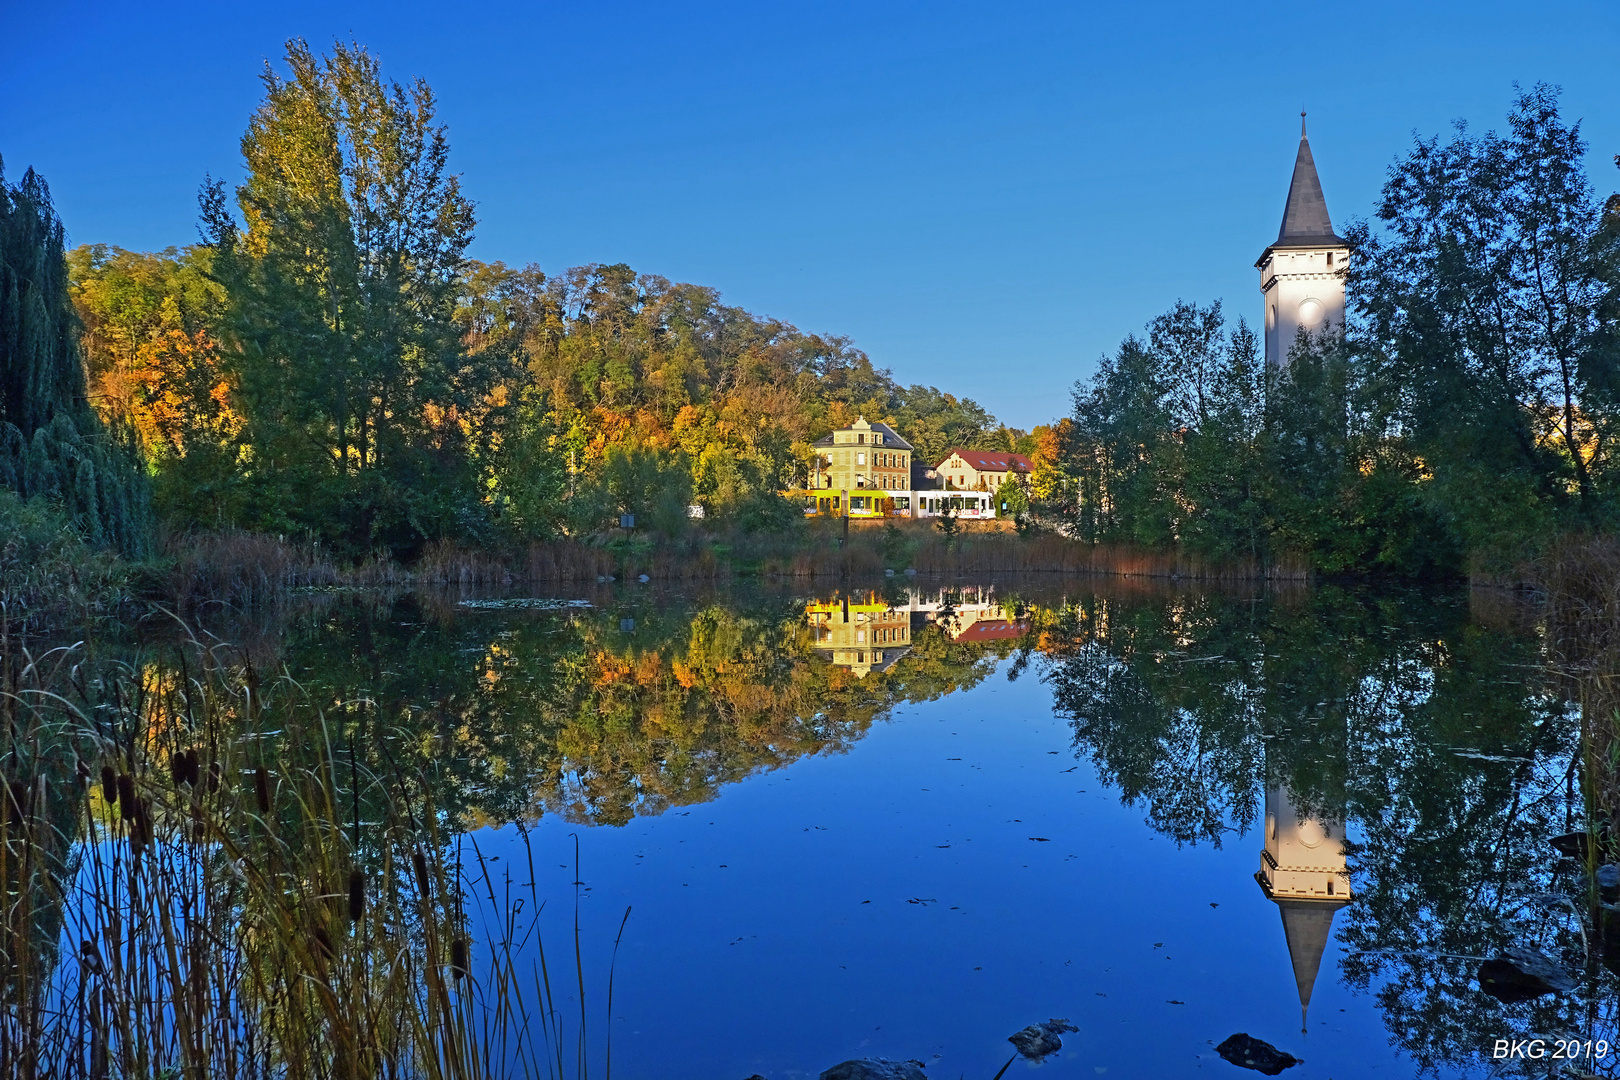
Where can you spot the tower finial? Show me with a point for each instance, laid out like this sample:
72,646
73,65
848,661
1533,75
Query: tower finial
1302,123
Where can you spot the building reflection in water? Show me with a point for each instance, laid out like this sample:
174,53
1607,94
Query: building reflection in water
866,633
861,636
1303,871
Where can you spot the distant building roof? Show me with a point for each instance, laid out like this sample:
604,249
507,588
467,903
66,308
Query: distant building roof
924,477
989,460
891,437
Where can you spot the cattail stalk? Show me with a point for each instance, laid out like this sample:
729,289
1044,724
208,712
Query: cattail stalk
357,894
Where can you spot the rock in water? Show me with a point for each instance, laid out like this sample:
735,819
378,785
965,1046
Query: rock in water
1039,1040
876,1069
1522,973
1248,1052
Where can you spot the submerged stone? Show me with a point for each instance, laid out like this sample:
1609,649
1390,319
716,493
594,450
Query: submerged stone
876,1069
1248,1052
1522,973
1038,1040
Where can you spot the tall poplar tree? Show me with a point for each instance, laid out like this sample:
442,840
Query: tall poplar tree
341,279
51,444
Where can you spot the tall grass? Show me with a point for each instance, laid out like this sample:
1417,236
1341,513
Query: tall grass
248,569
1578,579
199,881
817,548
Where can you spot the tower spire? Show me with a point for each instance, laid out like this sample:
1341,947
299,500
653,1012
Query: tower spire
1305,217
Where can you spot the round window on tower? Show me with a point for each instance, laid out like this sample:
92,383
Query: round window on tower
1271,316
1311,833
1310,312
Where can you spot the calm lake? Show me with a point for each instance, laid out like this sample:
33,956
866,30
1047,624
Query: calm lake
903,820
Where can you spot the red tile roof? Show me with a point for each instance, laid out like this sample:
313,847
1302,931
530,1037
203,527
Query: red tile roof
990,460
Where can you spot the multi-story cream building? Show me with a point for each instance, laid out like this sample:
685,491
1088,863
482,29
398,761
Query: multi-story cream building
1302,273
861,470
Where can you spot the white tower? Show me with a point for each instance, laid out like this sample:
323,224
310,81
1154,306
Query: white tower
1303,869
1302,274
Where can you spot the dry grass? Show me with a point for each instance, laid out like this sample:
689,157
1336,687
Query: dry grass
814,551
247,570
180,902
1578,579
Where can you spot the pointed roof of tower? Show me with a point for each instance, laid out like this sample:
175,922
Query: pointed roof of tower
1307,925
1305,217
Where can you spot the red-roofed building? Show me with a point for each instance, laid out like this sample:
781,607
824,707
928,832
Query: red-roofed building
981,470
993,630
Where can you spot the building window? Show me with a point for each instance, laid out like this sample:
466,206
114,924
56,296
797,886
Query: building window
861,439
1330,266
860,459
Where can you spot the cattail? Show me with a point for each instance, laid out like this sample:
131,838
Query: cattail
193,767
419,861
261,789
17,800
140,833
214,776
126,797
357,894
109,785
177,768
323,944
458,957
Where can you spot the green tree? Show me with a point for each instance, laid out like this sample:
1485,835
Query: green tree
51,444
1012,501
1487,307
359,396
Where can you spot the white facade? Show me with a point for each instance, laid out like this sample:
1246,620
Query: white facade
1304,856
1302,273
1304,289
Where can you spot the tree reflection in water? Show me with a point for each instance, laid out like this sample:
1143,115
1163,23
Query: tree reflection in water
1435,735
1440,738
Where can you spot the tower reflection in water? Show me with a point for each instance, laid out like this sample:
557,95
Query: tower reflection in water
1303,871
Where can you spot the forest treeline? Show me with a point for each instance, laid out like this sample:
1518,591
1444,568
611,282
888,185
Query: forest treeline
1464,417
329,364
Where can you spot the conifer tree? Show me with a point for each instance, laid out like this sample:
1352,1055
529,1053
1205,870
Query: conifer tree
51,444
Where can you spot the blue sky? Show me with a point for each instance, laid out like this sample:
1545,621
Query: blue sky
984,197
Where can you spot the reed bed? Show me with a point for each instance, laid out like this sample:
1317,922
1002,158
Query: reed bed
200,878
1578,581
817,549
249,569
